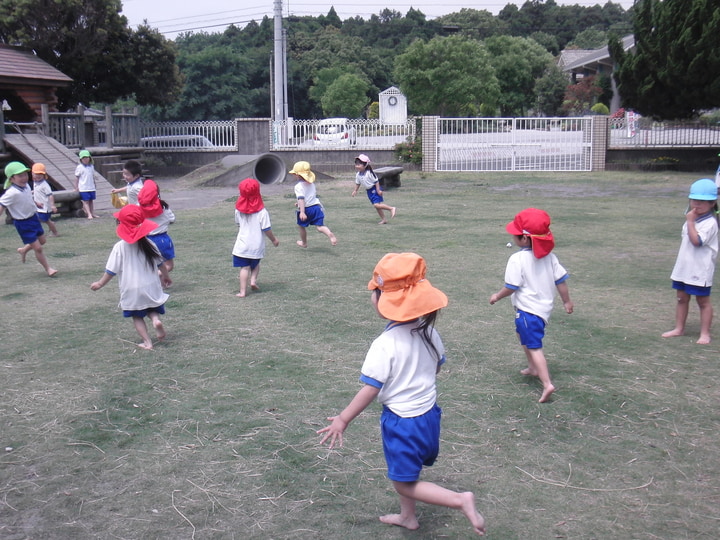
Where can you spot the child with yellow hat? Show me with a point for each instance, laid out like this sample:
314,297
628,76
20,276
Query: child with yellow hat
399,371
43,195
309,210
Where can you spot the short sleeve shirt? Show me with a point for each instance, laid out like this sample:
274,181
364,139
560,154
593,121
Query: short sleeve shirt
534,281
695,265
250,241
139,283
307,191
86,177
19,202
41,195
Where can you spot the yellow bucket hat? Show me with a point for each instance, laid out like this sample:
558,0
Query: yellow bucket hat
302,168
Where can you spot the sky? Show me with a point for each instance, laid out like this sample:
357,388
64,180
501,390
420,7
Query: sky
171,17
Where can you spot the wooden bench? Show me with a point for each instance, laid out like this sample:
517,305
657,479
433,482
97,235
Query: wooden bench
389,176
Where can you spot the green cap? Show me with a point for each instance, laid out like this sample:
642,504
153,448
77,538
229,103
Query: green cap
84,153
13,168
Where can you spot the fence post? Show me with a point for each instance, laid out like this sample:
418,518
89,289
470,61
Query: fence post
429,143
599,126
109,131
81,126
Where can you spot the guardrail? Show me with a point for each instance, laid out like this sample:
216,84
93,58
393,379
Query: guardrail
338,133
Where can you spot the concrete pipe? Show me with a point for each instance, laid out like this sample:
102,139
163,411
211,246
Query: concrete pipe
265,168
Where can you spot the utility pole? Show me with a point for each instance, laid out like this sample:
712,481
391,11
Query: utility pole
280,79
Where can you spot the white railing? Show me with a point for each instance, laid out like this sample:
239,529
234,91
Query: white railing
367,134
199,136
646,133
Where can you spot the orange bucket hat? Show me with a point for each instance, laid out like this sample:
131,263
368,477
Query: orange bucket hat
149,199
133,225
536,224
250,200
406,293
39,168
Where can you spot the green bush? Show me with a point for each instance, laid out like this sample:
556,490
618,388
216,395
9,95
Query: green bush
410,151
600,108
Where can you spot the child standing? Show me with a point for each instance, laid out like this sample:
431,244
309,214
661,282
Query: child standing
43,196
400,370
695,263
132,174
532,275
85,183
135,261
309,210
365,176
20,205
158,211
253,221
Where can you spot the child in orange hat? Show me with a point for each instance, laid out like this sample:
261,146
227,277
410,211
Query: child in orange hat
532,276
399,371
43,196
253,221
136,261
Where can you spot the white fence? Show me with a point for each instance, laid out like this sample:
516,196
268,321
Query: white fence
646,133
367,134
200,136
514,144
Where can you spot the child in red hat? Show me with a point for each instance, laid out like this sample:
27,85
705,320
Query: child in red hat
399,371
141,275
532,276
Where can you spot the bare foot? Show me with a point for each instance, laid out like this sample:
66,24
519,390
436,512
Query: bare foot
52,272
704,340
145,346
301,244
91,217
397,519
468,508
23,253
673,333
392,212
159,330
254,287
528,371
95,216
547,392
383,222
333,240
240,295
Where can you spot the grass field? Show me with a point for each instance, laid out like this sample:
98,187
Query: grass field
212,434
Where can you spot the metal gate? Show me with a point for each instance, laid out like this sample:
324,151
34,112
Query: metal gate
514,144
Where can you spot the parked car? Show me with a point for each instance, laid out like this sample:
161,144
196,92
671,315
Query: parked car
334,132
176,141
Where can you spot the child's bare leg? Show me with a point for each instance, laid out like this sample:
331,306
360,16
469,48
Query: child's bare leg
253,278
52,227
244,273
430,493
303,237
40,256
23,252
141,328
539,365
87,209
681,312
158,325
706,317
91,206
169,264
327,232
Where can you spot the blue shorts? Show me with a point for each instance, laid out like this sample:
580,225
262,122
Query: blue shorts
29,229
692,290
243,262
164,244
44,216
410,443
87,195
160,310
530,328
315,216
373,196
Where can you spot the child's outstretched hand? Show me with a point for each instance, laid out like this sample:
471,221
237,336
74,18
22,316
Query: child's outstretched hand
334,431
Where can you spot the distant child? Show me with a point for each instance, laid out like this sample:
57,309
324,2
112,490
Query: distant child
399,371
20,205
132,174
309,209
695,263
85,183
43,196
136,261
532,275
158,211
253,221
365,176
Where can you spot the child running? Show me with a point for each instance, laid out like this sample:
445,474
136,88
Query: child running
695,263
132,174
85,183
309,210
400,371
158,211
365,176
135,260
43,196
532,275
18,200
253,221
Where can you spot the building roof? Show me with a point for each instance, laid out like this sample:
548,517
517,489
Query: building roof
594,58
19,65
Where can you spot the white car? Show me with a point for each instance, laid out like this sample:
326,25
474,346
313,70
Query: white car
334,132
176,141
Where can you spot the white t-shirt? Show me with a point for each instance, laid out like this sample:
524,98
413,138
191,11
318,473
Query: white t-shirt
139,283
41,195
366,179
695,265
133,190
163,221
86,177
404,368
250,241
534,281
19,202
307,191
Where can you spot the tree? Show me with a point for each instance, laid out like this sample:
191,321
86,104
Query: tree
90,41
447,76
550,91
674,71
346,96
580,97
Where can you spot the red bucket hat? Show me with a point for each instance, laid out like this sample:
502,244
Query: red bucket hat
149,199
249,200
536,224
133,225
406,294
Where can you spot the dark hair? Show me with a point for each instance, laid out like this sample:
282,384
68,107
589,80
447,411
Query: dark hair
133,167
367,165
148,249
424,330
